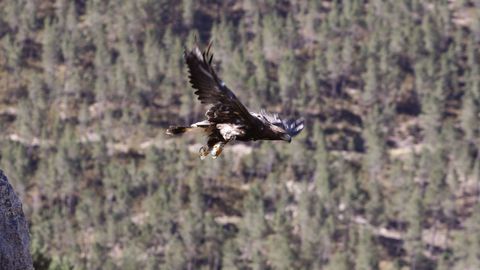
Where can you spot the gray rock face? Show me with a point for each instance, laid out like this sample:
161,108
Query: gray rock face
14,236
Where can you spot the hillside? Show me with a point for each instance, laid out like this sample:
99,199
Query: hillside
386,174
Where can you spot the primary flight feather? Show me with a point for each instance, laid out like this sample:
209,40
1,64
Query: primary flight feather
227,118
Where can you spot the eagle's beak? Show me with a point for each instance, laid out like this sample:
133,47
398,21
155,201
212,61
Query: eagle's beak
287,138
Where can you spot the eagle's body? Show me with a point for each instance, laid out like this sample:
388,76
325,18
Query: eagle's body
227,118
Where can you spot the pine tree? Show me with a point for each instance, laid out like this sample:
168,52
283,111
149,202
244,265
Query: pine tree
471,97
309,225
333,64
366,257
287,77
12,50
430,34
175,254
50,53
339,261
322,176
253,228
271,38
230,255
414,217
213,239
370,94
188,11
261,75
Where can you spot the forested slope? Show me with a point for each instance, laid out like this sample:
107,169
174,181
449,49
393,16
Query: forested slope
386,174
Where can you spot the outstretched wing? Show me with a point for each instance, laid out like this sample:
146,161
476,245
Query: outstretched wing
210,89
292,126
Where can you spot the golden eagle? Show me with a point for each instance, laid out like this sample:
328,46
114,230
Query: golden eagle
227,118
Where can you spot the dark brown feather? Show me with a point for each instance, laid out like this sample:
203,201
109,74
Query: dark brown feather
176,130
210,89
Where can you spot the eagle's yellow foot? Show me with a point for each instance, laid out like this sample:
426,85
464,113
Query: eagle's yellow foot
217,150
203,152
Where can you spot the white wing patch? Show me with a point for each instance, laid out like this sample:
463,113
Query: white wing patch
204,123
198,53
229,131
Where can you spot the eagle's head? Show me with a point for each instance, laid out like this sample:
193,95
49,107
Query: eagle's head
278,129
278,133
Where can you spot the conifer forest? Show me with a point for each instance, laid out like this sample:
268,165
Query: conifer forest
385,175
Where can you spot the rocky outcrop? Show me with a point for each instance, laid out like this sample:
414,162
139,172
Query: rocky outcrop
14,236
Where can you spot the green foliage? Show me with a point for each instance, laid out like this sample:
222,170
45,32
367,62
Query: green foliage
366,254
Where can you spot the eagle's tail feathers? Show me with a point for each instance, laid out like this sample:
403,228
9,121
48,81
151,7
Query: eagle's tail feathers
177,130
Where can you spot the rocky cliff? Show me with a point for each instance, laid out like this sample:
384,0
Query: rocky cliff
14,236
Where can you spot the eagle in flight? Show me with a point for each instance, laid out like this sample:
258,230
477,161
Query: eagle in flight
227,118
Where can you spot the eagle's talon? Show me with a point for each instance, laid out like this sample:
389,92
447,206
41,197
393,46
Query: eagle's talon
203,152
217,150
